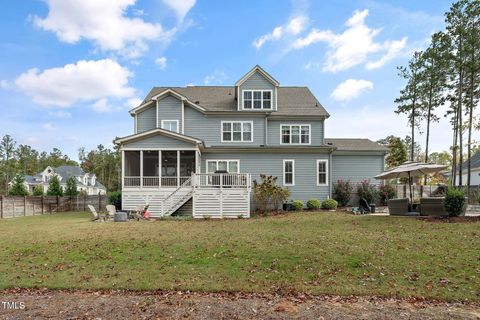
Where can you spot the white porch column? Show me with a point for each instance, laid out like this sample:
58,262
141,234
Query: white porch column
123,169
178,168
160,169
141,168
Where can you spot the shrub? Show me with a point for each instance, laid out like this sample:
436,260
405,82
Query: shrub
329,204
38,191
386,192
454,202
18,186
71,189
267,194
297,205
54,188
342,192
115,198
313,204
367,191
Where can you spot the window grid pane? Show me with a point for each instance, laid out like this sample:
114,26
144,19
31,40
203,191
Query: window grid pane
322,172
288,172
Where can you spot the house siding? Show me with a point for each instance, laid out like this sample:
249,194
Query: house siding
257,81
159,142
316,134
146,120
272,164
170,108
209,128
357,168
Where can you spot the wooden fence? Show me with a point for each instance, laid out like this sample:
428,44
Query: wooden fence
11,206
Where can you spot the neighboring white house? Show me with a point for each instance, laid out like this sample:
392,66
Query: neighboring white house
475,171
86,182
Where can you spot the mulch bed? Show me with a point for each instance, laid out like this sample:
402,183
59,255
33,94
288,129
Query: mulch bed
114,304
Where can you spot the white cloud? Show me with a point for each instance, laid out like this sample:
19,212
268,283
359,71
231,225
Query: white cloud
133,102
62,114
217,77
181,7
161,62
4,84
351,89
292,28
49,126
104,22
102,106
393,50
353,46
82,81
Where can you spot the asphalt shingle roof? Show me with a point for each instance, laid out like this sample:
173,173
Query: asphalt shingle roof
474,162
291,100
355,144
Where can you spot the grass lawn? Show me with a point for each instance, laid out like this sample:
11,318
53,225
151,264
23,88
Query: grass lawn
318,253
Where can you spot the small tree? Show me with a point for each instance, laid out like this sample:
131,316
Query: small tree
454,202
386,193
367,191
54,188
38,191
71,189
18,186
268,194
342,192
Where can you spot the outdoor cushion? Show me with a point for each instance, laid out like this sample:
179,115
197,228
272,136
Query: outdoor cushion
398,207
432,207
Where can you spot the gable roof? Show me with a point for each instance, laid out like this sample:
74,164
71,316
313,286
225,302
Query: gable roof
258,69
156,131
343,144
292,101
474,162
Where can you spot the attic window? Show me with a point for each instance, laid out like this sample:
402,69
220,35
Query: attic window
257,99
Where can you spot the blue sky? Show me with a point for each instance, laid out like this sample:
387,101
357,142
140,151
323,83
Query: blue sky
71,70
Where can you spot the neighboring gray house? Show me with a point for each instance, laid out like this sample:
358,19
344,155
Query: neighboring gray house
183,135
86,182
475,171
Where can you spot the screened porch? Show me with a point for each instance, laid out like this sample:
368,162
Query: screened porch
158,168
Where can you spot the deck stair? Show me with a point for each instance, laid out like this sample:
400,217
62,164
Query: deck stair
177,198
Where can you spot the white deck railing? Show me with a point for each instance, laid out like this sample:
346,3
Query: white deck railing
222,180
153,182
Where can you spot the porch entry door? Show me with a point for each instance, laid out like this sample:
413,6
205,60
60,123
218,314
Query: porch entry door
177,166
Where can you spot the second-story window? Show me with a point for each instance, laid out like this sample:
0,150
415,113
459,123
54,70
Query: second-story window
237,131
295,134
171,125
257,99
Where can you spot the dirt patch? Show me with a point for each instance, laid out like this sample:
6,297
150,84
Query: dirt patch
40,304
447,219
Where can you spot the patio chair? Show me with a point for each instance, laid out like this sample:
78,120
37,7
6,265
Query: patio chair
140,213
432,207
111,210
364,206
399,207
95,215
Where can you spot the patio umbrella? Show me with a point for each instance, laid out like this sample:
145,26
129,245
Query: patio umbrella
410,169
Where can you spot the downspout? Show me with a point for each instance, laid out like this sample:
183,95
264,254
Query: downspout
330,173
266,129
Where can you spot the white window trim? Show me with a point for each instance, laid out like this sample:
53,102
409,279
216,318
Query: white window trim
262,108
227,160
166,120
326,172
293,172
300,140
232,141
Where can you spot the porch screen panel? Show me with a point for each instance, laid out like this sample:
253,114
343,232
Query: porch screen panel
150,168
132,163
187,163
169,168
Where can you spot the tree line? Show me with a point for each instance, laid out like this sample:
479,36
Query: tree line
446,73
20,160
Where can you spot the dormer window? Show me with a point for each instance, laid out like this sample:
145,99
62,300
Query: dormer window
257,99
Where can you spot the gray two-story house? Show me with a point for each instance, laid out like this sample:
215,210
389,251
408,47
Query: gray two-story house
196,149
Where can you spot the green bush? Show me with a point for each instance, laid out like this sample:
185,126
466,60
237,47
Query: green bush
313,204
18,186
297,205
115,198
71,189
54,188
342,192
386,192
329,204
454,202
38,191
367,191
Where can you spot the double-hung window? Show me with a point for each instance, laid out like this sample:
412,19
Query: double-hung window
295,134
288,172
237,131
257,99
322,172
171,125
231,166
